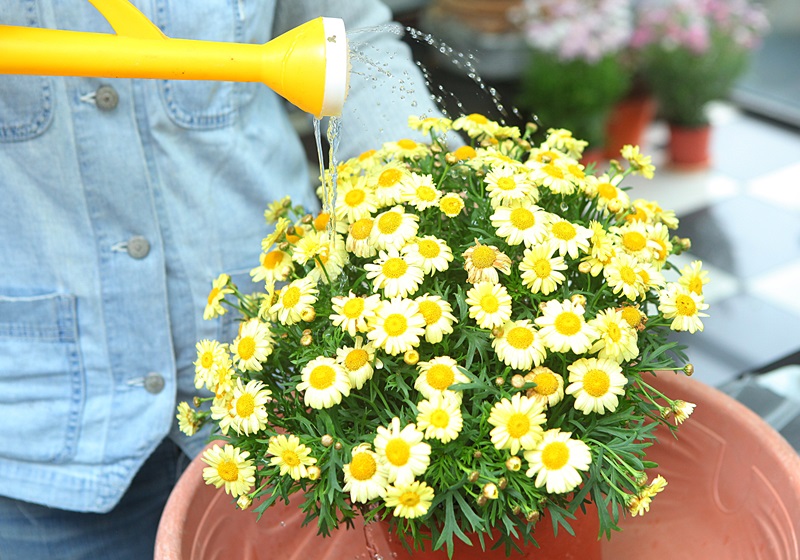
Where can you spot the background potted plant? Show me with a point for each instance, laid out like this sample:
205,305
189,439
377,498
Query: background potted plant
461,344
578,68
692,52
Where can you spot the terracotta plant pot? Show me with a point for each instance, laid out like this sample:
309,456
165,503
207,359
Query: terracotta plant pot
627,123
689,148
585,545
733,493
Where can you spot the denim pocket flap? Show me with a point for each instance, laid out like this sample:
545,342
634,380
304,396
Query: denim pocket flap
41,377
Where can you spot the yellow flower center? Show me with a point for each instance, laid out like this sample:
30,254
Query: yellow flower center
628,275
353,308
389,177
440,418
546,383
291,296
409,499
207,360
394,267
440,376
272,259
395,324
212,295
477,118
522,218
518,425
576,171
564,230
246,347
465,152
567,323
490,303
228,471
553,170
428,248
430,311
322,377
520,338
245,405
634,241
366,155
596,382
321,221
407,144
685,305
607,191
451,205
426,194
613,332
398,452
506,183
354,197
290,458
360,229
555,455
696,285
632,316
389,222
363,466
542,268
483,256
356,358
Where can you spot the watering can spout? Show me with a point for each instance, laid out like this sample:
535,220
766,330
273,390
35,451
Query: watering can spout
307,65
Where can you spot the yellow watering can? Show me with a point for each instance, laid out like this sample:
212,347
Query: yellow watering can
308,65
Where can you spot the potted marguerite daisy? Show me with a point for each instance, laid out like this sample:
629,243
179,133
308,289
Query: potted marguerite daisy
464,345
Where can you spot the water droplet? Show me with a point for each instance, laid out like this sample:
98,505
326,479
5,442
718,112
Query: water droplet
283,523
564,207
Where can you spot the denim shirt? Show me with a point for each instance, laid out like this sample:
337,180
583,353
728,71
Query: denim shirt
115,219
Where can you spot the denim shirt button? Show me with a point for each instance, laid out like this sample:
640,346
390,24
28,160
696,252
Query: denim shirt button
138,247
154,383
106,98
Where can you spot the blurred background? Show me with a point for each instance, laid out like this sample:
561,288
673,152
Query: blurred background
724,74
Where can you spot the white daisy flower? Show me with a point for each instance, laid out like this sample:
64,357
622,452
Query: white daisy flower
365,476
402,451
519,345
324,383
596,384
438,315
394,274
398,326
557,460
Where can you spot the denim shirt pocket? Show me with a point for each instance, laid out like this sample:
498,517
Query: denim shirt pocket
26,102
202,105
41,377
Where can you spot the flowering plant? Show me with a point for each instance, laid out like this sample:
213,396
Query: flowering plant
693,51
579,64
462,344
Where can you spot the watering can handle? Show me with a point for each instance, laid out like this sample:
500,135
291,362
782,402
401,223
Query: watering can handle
308,65
127,20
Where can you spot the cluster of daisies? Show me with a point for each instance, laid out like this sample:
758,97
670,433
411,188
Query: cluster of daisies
452,321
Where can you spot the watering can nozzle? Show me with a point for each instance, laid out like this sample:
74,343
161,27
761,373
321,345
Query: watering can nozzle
308,65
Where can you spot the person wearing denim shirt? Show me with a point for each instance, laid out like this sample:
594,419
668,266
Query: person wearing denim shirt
121,201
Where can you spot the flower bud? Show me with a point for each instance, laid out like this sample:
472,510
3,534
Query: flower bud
244,502
326,440
514,463
482,500
477,455
411,357
497,332
490,491
314,472
516,510
517,381
307,219
499,381
532,517
308,314
306,340
688,369
584,267
196,402
337,446
502,483
578,299
473,476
